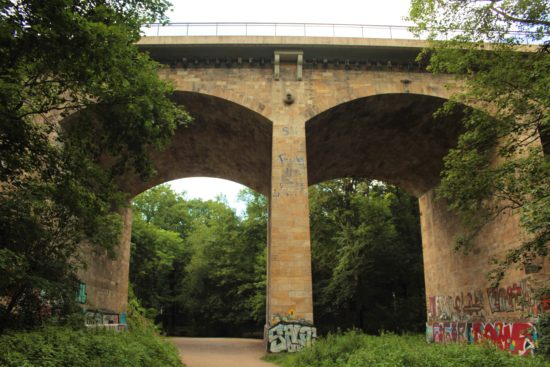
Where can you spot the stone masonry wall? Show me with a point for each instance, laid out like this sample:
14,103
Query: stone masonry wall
456,286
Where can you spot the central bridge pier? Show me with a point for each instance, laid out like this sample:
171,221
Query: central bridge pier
279,114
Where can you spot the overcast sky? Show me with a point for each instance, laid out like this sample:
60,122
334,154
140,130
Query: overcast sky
390,12
374,12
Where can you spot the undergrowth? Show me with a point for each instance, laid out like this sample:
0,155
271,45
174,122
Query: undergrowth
55,346
354,349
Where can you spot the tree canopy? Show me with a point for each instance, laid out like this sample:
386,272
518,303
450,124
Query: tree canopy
367,257
499,51
76,61
197,266
201,270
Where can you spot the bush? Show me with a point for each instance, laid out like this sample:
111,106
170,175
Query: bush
544,332
353,349
59,346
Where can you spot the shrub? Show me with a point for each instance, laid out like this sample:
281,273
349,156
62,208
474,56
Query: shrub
59,346
353,349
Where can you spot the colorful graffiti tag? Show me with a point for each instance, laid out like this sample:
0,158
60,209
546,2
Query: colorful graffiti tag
472,306
518,337
516,297
464,306
105,319
290,337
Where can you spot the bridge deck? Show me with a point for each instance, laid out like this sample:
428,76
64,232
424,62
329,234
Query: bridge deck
169,48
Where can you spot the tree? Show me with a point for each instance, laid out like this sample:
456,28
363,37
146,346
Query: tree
196,265
501,162
74,60
367,256
254,239
165,208
223,290
153,253
159,254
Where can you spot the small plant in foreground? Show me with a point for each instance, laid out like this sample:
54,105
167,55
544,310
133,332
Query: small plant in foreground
59,346
354,349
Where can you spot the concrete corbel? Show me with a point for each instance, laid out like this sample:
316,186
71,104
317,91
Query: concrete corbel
299,64
276,67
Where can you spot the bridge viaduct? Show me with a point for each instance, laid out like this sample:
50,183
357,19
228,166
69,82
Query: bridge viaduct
279,114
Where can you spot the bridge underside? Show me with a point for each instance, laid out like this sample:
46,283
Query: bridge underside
394,138
225,140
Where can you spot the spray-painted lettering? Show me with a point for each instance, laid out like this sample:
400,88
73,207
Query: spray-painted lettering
518,337
461,307
515,297
290,337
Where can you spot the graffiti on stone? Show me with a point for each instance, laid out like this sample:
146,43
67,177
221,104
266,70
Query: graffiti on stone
516,337
515,297
290,336
105,319
81,295
447,332
469,306
461,307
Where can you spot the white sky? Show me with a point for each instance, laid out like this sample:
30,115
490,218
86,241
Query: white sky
373,12
379,12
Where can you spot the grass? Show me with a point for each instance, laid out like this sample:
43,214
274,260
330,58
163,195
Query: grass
354,349
61,346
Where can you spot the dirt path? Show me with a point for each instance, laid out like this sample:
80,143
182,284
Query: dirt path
222,352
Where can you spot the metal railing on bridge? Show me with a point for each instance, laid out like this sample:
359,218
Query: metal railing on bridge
279,29
299,29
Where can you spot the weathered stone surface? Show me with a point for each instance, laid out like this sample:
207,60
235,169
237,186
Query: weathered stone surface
391,137
369,123
226,140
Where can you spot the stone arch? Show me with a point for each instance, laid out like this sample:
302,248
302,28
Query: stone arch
396,138
225,140
345,86
392,137
245,87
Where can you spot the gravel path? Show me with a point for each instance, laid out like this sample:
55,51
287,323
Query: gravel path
221,352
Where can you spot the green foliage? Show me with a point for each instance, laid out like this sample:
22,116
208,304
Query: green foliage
56,346
196,265
200,268
499,164
353,349
165,209
73,60
544,330
137,320
367,257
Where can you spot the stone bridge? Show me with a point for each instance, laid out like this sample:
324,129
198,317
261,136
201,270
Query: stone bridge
279,114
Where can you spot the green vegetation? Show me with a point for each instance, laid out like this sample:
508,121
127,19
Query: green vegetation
353,349
60,346
508,91
199,269
70,343
196,266
74,60
367,257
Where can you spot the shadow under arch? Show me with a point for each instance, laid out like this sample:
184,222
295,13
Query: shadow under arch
226,140
391,137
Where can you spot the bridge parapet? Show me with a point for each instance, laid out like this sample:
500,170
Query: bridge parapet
322,53
384,31
279,29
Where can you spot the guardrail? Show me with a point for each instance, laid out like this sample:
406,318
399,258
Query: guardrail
279,29
295,29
